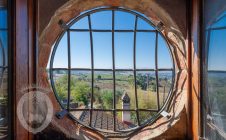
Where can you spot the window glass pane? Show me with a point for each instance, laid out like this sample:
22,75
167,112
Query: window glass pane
217,77
60,79
143,25
1,55
124,50
125,85
220,21
146,90
164,59
103,92
126,120
3,99
145,50
3,17
81,24
61,55
102,48
4,44
102,20
80,89
124,21
214,114
216,97
80,50
217,50
165,83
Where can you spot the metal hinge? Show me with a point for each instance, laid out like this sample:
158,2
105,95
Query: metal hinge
62,24
61,114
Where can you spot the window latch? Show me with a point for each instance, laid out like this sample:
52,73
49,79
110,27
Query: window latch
61,114
209,118
165,114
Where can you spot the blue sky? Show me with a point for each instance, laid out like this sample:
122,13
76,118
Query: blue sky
3,34
217,46
80,44
102,44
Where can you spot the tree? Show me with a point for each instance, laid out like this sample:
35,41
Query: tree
81,92
99,77
107,99
61,87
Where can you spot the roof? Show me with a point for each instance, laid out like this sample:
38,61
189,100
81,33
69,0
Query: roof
103,120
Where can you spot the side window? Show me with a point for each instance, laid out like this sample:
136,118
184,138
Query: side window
3,70
215,72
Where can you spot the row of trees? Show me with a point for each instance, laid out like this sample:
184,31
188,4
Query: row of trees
103,98
81,93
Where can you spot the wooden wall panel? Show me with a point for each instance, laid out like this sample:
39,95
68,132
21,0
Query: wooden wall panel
195,75
24,58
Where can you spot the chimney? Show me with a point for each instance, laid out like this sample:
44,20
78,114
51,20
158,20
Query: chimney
125,105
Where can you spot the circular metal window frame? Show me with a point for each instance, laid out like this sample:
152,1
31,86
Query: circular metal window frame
166,104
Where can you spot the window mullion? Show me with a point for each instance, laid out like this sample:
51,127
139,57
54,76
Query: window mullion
113,63
69,70
134,70
92,69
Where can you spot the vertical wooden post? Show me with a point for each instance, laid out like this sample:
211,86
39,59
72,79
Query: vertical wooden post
24,56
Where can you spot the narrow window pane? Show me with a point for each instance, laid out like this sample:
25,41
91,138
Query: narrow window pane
102,47
145,50
4,72
146,90
214,72
81,24
124,50
4,44
80,50
80,89
143,25
61,55
165,83
126,120
102,20
125,85
3,17
103,90
60,79
124,21
164,58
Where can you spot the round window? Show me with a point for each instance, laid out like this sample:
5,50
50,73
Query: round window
112,70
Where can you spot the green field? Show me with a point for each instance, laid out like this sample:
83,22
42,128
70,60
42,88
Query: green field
103,89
